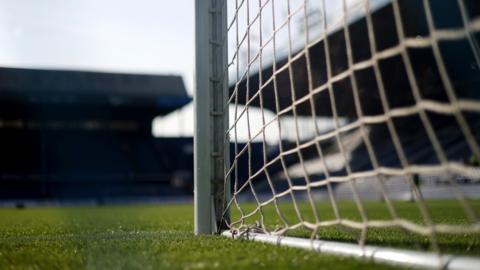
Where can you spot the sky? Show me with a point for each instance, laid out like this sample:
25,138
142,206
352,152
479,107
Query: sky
141,36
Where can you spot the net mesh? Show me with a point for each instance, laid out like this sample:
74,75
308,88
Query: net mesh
355,120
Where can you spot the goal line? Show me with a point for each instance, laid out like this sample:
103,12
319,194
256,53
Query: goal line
376,254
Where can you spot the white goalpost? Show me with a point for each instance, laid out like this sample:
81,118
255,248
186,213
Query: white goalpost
349,127
211,118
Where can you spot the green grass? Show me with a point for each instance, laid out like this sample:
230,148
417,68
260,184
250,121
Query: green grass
156,237
137,237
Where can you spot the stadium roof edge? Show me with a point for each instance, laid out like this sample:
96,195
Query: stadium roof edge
43,86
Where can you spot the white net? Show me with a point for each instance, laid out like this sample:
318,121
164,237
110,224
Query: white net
356,121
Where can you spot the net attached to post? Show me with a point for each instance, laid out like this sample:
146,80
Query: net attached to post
356,121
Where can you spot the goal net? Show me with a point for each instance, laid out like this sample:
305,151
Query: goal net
355,121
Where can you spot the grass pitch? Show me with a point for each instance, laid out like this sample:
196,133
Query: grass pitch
144,237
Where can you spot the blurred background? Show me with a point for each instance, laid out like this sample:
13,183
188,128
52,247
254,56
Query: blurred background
94,100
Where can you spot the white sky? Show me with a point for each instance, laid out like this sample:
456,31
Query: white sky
142,36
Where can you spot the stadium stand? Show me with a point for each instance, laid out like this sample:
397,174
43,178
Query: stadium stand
71,135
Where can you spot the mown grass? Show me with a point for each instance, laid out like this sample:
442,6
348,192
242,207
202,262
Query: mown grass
137,237
156,237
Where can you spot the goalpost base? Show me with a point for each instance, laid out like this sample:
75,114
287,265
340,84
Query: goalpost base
393,256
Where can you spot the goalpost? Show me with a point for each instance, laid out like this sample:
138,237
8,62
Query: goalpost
349,127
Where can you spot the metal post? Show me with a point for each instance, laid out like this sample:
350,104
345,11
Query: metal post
211,117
